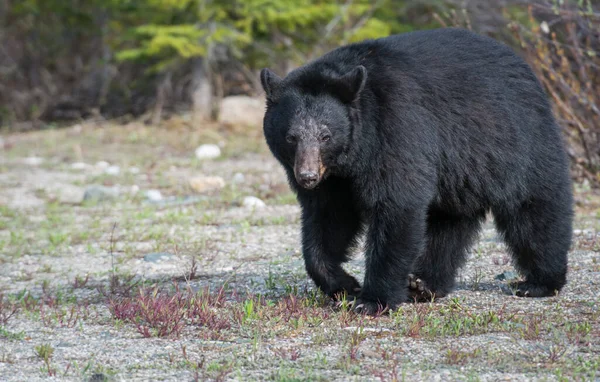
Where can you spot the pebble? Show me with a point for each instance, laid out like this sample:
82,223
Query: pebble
154,195
202,184
586,232
178,201
144,246
208,151
102,164
238,178
79,166
156,257
100,193
508,275
113,170
253,202
134,170
134,189
71,195
33,161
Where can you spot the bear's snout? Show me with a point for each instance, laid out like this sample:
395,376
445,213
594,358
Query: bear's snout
308,168
308,179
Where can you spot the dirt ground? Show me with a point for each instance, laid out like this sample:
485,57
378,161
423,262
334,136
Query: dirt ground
125,257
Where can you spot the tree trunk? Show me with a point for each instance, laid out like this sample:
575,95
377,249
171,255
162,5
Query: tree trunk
201,91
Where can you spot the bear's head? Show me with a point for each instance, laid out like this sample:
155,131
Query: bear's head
309,119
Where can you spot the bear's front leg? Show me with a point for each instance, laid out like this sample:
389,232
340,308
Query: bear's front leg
396,237
329,228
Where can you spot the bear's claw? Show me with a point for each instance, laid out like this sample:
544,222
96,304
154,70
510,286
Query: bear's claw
417,289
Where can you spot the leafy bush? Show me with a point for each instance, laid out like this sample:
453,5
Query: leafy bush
562,43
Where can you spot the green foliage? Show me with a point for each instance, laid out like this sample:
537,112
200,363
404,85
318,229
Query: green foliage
162,34
91,55
254,31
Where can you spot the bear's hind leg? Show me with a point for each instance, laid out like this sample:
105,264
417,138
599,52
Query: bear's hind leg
538,235
449,237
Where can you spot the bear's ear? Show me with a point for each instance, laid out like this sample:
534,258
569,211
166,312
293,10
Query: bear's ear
270,81
351,84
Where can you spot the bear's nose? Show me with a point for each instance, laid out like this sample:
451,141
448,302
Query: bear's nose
308,178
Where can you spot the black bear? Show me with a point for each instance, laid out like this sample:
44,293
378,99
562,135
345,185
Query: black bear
411,140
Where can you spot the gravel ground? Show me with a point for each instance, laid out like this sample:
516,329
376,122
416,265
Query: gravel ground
101,279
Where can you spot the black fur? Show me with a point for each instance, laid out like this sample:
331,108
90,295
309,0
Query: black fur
416,137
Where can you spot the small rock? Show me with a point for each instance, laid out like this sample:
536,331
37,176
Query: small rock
77,129
144,246
508,276
577,232
134,170
100,193
156,257
178,201
202,184
98,377
102,164
79,166
242,111
253,202
208,151
154,195
33,161
112,170
71,195
238,178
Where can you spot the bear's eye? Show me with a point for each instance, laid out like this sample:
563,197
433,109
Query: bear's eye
290,139
325,138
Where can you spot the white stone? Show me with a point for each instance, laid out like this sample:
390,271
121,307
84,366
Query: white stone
71,195
154,195
134,189
33,161
242,111
102,164
202,183
253,202
238,178
79,166
113,170
134,170
208,151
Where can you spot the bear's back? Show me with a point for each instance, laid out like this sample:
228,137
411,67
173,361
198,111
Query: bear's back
492,120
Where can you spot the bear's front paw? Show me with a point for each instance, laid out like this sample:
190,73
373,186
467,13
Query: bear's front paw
417,290
370,308
344,286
